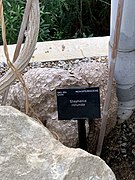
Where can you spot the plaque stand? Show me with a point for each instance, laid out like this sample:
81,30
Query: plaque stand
82,134
79,104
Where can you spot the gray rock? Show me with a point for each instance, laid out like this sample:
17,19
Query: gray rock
28,151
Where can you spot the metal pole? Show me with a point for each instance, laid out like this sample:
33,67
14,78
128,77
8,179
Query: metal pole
82,134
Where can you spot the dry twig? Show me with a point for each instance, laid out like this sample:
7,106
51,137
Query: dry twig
16,72
19,43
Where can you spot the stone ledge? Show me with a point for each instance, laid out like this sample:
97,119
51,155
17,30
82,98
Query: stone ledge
65,49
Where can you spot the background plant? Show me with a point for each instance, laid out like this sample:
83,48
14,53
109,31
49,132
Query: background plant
13,12
61,19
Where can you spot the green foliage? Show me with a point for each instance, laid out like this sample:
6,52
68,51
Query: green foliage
61,19
13,12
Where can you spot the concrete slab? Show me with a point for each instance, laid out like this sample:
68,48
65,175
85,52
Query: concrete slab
65,49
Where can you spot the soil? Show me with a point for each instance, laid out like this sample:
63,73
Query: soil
119,150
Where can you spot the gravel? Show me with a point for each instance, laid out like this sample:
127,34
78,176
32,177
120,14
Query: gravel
119,146
3,68
67,65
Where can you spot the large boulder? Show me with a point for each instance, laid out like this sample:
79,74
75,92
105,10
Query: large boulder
28,151
96,74
42,83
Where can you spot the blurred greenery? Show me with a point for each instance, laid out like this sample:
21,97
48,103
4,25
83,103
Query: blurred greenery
61,19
